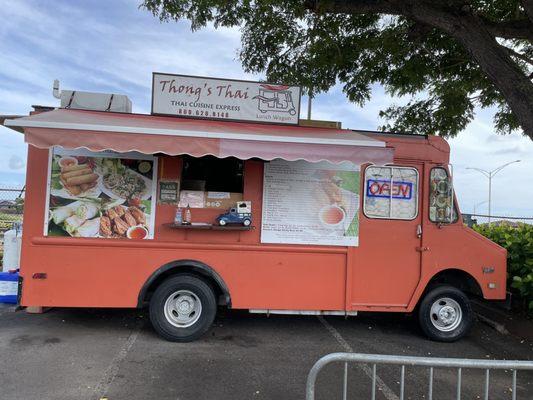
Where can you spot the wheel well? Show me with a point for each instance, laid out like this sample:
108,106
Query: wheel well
457,278
190,267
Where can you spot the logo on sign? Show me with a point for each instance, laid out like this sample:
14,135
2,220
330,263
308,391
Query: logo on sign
382,188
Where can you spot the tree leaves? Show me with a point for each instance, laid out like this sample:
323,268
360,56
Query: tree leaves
301,43
519,244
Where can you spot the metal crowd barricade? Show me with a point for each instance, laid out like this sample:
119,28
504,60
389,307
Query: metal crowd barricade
403,361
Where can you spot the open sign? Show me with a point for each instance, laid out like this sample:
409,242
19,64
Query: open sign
382,188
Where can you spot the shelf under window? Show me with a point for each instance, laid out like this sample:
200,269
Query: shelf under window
211,227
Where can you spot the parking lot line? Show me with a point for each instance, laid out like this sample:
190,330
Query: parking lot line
387,392
111,371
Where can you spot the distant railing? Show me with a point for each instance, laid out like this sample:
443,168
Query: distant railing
430,362
480,219
11,208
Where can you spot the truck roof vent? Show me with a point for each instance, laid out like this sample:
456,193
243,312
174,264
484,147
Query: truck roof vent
92,101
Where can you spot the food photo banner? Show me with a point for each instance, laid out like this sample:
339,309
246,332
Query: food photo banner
310,203
101,195
211,98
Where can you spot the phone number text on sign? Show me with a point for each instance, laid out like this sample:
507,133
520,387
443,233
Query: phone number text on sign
201,113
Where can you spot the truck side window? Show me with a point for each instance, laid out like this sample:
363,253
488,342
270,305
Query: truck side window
391,192
441,207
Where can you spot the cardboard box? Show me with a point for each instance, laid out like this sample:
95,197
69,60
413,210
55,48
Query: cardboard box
221,200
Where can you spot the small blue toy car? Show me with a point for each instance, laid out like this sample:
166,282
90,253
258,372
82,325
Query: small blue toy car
234,217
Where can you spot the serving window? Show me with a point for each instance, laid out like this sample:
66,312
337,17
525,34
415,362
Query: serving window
391,192
211,182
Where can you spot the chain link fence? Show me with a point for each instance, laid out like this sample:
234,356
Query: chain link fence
496,220
11,207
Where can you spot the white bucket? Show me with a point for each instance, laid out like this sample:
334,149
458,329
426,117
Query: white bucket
12,246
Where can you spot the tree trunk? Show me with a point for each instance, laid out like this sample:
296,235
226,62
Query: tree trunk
514,85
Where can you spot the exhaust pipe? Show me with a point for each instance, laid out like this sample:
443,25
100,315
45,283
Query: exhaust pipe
55,89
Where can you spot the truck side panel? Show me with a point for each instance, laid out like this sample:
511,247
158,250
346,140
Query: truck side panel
110,272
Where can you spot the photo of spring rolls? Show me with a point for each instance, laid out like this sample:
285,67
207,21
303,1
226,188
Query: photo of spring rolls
84,204
105,226
62,213
76,167
77,180
84,171
120,226
75,190
119,210
129,219
139,216
87,210
116,220
72,223
81,179
89,228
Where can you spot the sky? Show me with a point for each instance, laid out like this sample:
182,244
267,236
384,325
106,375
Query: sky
113,47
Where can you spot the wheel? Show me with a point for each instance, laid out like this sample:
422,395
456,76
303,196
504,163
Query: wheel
222,222
246,222
182,308
445,314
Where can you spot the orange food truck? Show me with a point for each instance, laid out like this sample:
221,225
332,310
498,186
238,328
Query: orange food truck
222,196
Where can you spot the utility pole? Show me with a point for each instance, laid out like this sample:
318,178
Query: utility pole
309,104
490,175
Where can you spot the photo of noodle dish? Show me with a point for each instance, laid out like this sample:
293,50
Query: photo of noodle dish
101,195
121,182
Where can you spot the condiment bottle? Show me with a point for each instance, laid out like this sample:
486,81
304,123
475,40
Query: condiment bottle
188,216
178,218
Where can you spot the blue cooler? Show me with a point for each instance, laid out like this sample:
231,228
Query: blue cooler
9,283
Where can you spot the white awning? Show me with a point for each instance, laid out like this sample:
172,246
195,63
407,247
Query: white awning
98,131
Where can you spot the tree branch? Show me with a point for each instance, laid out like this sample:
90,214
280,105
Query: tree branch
355,7
517,29
475,33
516,54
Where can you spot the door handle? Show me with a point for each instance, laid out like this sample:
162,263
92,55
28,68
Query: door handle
419,231
423,248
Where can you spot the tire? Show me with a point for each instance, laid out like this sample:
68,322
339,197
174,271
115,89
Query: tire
445,314
195,315
222,222
246,222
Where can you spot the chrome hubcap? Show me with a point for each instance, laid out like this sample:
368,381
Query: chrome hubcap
446,314
183,308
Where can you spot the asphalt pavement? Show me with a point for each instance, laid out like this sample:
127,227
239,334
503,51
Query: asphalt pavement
91,354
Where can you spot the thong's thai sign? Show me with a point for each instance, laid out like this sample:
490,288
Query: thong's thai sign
211,98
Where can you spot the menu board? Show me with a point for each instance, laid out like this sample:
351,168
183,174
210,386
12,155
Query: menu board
310,203
101,195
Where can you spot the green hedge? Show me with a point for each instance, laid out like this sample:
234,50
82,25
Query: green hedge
519,244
